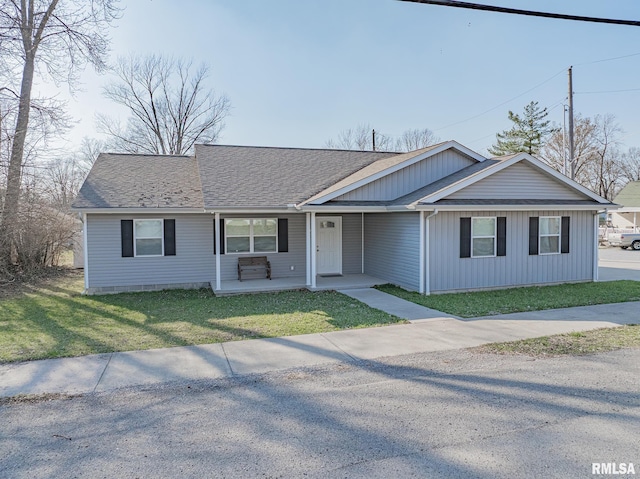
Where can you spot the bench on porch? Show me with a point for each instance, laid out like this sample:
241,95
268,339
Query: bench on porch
254,264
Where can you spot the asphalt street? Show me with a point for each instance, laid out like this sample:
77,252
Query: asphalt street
441,414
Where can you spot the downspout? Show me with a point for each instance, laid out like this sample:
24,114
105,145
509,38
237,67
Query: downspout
425,264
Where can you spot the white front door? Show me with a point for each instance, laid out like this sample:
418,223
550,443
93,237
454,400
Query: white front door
329,244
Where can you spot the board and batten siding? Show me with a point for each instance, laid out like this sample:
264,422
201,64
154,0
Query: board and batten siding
392,248
193,262
281,263
410,178
449,272
518,181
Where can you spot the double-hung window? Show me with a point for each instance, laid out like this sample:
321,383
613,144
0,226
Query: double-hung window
483,237
549,235
251,235
148,235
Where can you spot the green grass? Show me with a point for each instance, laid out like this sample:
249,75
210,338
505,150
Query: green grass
588,342
514,300
55,320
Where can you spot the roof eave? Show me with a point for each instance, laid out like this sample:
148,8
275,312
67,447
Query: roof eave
120,210
533,207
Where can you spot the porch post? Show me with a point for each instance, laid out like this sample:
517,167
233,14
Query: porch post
217,229
362,239
423,224
596,218
85,250
308,245
313,255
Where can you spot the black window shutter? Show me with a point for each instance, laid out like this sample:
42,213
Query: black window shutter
169,237
126,233
501,249
533,235
465,237
564,240
221,236
283,235
215,247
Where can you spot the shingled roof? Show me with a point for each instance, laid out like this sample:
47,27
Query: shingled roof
248,176
629,196
141,181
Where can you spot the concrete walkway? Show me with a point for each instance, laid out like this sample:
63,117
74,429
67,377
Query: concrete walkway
428,331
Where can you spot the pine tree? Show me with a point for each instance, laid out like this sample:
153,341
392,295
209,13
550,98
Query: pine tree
527,134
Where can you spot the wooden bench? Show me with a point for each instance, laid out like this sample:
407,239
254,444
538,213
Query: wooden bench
254,264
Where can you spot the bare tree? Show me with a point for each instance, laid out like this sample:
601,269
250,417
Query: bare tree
361,138
63,176
59,36
631,164
598,160
416,139
170,107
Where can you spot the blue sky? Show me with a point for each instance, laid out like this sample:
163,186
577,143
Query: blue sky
299,72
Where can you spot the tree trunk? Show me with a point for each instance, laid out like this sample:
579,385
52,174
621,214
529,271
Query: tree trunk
14,172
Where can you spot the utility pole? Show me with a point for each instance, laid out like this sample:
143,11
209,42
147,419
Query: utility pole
373,139
571,145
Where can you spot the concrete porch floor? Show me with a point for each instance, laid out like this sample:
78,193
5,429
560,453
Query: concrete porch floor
347,281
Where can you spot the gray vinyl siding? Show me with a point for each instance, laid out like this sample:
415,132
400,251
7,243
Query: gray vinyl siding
410,178
447,271
193,262
280,262
518,181
392,248
351,243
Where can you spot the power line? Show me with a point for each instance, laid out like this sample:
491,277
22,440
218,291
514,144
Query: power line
499,105
531,13
605,91
608,59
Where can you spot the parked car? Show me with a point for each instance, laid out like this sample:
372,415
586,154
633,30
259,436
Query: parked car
625,240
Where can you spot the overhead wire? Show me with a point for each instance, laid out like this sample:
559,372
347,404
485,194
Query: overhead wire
501,104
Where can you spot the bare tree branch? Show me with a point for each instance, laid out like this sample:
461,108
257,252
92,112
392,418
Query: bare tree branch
170,108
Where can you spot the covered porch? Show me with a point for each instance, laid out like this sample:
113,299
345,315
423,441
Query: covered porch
323,283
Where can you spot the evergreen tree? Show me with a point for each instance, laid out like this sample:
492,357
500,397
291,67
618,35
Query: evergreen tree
527,134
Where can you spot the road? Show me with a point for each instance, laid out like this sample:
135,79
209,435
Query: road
447,414
617,263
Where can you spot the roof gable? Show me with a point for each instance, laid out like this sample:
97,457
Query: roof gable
383,171
556,183
519,180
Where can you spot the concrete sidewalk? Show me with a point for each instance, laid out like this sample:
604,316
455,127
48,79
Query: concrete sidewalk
104,372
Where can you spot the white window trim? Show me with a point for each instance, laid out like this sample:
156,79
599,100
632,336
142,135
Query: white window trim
494,237
540,235
135,238
251,237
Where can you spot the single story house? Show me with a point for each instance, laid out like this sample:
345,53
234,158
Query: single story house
438,219
627,217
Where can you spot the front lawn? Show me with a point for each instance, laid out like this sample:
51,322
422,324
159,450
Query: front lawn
514,300
587,342
55,320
